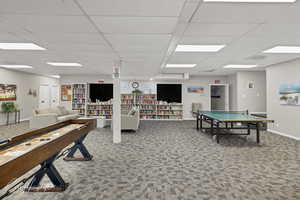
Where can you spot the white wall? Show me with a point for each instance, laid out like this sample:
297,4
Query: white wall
187,98
286,117
232,81
81,79
254,99
24,82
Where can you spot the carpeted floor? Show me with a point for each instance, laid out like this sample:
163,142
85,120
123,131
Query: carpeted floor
171,160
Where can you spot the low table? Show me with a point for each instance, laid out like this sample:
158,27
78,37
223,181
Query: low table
101,122
17,114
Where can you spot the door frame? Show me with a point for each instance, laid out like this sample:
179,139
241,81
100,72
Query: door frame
49,95
226,95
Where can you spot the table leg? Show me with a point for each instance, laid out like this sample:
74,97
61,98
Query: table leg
16,116
201,122
19,116
217,132
212,126
7,118
248,128
197,122
257,133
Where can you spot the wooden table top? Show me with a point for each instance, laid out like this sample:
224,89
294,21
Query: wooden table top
27,146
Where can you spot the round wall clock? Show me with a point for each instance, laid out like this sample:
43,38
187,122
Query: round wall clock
135,85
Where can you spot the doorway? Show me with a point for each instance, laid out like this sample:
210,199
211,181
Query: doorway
219,97
54,96
44,97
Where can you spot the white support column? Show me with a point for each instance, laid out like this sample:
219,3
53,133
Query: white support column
116,104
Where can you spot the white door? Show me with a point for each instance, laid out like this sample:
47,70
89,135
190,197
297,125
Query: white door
54,96
44,97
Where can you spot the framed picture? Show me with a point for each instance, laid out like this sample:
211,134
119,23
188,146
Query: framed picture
66,92
8,92
195,89
289,94
250,85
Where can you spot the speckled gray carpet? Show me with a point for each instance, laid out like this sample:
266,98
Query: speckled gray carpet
171,160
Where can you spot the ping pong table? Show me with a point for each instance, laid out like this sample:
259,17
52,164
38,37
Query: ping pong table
224,122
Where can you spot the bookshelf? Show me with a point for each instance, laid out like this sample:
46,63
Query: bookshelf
150,108
78,98
100,109
169,110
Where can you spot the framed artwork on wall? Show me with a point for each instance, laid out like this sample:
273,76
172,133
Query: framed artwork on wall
289,94
8,92
66,92
195,89
251,85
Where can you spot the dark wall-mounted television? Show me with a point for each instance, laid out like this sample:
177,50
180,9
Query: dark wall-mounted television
101,92
170,93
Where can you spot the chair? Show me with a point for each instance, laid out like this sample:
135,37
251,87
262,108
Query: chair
130,121
195,108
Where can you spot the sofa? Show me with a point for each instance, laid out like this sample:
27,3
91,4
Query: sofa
130,121
45,117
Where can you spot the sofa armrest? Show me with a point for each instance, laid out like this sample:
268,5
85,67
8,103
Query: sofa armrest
73,112
129,122
43,120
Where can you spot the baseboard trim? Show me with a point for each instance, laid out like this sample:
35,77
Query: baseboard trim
188,119
283,134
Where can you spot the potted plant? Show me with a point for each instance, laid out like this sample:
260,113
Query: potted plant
8,107
137,91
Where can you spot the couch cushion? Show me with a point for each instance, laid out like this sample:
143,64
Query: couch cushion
56,111
42,111
67,117
132,111
63,110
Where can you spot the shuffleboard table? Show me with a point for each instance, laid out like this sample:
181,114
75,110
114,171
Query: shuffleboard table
42,147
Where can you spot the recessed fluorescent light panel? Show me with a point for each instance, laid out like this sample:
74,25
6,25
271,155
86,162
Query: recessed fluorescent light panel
252,1
62,64
55,76
284,49
199,48
16,66
240,66
20,46
180,65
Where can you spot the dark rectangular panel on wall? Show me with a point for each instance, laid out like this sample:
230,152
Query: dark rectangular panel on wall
171,93
101,92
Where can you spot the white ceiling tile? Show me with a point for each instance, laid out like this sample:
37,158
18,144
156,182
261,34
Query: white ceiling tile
129,25
49,24
133,7
205,40
139,43
40,7
216,29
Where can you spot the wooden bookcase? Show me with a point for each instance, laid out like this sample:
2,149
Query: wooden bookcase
79,98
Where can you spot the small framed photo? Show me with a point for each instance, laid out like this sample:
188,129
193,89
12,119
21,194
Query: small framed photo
250,85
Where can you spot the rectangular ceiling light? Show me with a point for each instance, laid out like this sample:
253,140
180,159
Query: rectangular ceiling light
284,49
62,64
252,1
240,66
20,46
55,76
199,48
180,65
16,66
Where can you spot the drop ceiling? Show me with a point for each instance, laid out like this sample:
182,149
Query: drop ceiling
144,34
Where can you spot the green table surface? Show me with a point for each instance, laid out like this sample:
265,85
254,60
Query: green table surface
233,116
